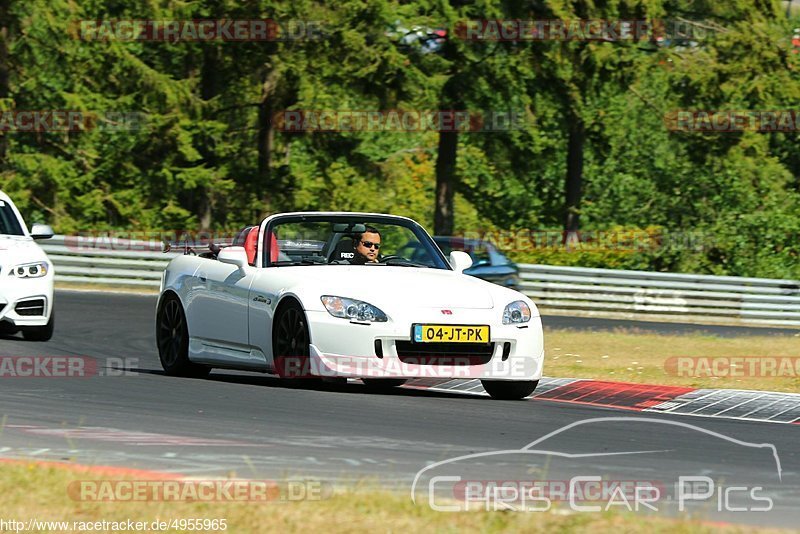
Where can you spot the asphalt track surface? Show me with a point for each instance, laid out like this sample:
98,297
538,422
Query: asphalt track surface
256,426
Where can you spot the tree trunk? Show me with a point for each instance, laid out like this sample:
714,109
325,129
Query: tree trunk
443,219
266,139
574,182
209,88
443,213
5,32
209,72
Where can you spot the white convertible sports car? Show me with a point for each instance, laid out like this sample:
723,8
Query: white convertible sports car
26,276
336,296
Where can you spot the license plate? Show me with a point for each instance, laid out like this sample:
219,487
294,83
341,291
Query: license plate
446,333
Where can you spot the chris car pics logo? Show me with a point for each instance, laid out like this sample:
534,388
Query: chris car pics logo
569,469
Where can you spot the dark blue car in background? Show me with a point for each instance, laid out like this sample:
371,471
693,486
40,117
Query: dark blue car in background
488,263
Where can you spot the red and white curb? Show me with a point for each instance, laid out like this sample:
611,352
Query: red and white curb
744,405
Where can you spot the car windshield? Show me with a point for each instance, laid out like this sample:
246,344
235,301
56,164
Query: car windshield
349,240
9,224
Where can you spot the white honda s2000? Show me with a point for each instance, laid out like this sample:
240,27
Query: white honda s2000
345,295
26,276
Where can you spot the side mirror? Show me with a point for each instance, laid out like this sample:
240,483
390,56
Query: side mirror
233,256
460,260
41,231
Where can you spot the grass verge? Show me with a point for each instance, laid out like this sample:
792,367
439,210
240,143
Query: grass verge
33,491
628,356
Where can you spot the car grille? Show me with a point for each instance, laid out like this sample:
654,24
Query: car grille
30,307
444,353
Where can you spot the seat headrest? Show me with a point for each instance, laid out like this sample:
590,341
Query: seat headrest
251,245
344,250
274,249
241,237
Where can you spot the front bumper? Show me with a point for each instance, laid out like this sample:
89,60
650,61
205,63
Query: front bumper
340,348
26,301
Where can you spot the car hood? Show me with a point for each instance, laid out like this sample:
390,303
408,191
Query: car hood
386,286
19,249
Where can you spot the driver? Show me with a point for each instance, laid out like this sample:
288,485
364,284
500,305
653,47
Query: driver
367,246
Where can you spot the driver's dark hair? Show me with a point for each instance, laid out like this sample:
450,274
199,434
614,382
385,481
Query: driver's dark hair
367,230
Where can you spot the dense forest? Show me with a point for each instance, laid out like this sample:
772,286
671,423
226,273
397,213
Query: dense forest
597,168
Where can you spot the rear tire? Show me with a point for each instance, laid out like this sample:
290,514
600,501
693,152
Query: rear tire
509,390
40,333
172,338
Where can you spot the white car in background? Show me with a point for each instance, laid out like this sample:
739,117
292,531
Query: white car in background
26,276
294,300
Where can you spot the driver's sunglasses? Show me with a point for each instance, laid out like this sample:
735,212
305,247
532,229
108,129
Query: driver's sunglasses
370,244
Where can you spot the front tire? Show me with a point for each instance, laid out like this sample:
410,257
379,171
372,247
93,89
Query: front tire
290,343
509,390
40,333
172,338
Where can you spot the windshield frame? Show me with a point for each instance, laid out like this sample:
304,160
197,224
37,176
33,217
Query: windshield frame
369,218
15,217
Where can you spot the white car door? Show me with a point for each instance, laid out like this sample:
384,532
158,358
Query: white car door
263,295
217,312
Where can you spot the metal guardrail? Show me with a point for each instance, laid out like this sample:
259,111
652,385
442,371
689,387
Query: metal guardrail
576,290
684,297
123,263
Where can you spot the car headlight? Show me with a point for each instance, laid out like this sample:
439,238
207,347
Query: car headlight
517,313
30,270
354,310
